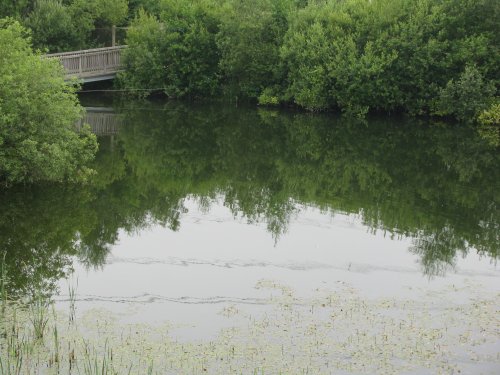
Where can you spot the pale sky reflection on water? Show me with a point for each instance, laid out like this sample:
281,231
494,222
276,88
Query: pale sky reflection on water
215,260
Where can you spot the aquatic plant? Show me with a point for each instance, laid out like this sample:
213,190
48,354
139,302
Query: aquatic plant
329,331
39,314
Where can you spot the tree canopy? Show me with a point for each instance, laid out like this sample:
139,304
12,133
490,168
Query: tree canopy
66,25
38,111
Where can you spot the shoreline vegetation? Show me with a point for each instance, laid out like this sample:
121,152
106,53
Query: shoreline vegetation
421,57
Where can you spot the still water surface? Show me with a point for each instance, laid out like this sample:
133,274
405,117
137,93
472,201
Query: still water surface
194,205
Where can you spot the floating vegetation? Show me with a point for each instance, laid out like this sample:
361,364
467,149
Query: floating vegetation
332,331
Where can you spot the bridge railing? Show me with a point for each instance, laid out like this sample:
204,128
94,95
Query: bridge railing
97,61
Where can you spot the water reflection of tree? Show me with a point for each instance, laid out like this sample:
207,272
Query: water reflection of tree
39,234
436,184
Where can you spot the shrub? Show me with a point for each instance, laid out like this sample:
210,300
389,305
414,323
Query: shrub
38,111
465,97
489,123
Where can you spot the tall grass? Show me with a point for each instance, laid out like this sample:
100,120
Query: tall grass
95,364
72,300
39,315
3,283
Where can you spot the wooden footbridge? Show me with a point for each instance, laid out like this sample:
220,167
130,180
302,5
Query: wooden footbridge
91,65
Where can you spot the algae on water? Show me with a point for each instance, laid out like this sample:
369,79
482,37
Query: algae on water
331,331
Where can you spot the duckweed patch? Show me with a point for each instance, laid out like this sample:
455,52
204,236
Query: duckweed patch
330,332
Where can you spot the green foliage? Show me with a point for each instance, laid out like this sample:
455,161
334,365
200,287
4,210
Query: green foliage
13,8
489,123
65,25
491,116
83,15
250,36
52,26
305,51
269,97
60,26
143,57
358,56
466,97
38,110
176,52
385,54
112,12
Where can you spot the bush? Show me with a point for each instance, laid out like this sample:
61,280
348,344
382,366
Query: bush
38,111
249,40
489,123
52,26
176,52
269,97
466,97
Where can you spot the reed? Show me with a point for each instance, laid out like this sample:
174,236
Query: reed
3,283
39,314
95,363
72,288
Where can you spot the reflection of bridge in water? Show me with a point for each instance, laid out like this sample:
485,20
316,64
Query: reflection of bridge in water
103,121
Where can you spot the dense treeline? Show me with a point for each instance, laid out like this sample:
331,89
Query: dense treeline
438,57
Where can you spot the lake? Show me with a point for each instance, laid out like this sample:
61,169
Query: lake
299,243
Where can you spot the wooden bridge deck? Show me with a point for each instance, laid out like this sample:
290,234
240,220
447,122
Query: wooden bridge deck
91,65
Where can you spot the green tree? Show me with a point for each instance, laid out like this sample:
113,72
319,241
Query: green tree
388,55
83,15
466,97
112,12
52,26
38,110
249,40
176,51
14,8
66,25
